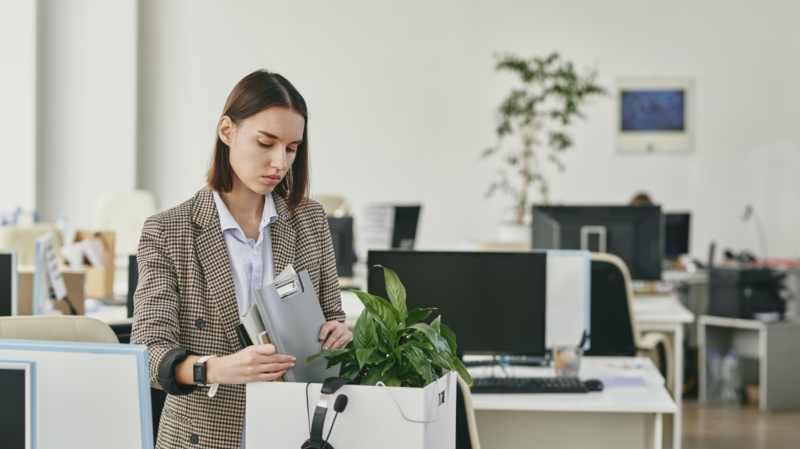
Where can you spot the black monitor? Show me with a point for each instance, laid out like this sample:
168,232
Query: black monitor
493,301
8,282
15,431
631,232
342,237
676,235
405,226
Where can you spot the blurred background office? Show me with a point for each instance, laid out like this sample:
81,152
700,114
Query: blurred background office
109,111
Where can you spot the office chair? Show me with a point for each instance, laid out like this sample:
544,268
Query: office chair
333,205
56,328
613,324
466,426
23,239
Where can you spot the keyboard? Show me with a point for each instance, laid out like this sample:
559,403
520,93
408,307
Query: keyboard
494,385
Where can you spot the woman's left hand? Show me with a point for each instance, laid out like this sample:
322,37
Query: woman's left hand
337,334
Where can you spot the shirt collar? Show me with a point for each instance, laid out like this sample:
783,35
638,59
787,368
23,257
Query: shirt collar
227,222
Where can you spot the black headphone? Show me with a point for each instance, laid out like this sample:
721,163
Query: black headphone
329,387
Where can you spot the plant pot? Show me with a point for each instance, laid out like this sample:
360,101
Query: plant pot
512,232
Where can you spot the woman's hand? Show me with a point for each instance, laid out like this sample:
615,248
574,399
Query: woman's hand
255,363
337,334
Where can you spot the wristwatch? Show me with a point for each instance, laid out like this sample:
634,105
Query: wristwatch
200,375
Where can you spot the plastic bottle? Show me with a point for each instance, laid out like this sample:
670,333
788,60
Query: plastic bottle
714,377
731,386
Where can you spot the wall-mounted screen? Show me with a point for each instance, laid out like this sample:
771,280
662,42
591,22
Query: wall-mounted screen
654,115
653,110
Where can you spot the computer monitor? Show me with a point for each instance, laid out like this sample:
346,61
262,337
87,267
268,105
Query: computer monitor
406,219
631,232
493,301
17,417
342,237
676,235
8,282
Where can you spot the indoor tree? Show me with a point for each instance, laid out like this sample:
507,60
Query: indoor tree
537,114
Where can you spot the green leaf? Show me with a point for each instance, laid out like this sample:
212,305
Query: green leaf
385,343
441,358
381,310
396,291
328,353
429,331
364,335
449,337
389,365
363,354
349,371
462,371
416,355
437,325
374,376
417,315
392,381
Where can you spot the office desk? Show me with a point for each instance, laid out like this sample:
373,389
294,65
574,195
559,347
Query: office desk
665,313
614,418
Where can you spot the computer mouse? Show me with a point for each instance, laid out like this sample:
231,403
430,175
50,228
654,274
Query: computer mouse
593,385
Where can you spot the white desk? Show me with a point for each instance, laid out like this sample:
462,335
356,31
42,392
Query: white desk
665,313
614,418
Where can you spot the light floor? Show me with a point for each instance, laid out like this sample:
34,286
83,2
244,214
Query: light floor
713,427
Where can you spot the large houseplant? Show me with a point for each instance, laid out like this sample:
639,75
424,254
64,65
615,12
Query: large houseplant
392,346
537,114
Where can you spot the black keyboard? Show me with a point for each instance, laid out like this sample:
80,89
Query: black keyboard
493,385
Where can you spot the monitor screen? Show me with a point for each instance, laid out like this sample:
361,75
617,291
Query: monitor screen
494,302
13,412
633,233
404,234
342,236
676,235
653,110
7,280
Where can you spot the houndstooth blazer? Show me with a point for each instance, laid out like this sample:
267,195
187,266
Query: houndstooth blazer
186,299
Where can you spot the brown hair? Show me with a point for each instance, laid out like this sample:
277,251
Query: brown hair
641,199
254,93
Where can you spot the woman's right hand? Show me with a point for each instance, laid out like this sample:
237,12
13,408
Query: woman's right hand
255,363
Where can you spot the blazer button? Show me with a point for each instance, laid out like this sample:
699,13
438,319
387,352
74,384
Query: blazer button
200,323
193,439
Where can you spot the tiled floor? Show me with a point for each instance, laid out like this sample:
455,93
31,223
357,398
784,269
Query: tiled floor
714,427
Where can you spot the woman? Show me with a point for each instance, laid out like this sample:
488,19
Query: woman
199,263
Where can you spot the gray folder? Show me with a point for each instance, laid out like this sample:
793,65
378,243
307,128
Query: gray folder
293,318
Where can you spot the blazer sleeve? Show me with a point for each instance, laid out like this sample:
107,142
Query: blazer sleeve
330,297
156,310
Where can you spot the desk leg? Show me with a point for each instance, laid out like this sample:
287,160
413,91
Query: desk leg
654,431
677,346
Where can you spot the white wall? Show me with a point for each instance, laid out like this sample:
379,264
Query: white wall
402,99
87,105
18,104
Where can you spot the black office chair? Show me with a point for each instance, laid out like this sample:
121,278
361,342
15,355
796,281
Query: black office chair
614,329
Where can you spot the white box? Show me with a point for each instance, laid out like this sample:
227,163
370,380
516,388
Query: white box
278,416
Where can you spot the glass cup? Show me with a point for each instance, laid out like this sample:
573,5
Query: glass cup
568,361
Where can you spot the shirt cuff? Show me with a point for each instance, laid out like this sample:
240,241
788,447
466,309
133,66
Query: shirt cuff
166,372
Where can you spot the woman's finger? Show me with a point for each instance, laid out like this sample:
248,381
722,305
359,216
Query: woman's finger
344,338
326,329
270,376
273,367
337,333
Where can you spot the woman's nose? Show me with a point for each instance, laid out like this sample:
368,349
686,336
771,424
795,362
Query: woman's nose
280,162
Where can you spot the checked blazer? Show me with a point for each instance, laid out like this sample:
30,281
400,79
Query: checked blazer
186,299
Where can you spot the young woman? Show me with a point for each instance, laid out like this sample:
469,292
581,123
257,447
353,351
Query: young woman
199,263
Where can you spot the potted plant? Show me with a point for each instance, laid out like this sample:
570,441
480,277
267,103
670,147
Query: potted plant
392,346
537,114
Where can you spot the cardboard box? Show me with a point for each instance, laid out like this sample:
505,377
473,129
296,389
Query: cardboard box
73,278
100,283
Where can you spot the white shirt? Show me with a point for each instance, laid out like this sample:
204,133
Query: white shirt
251,260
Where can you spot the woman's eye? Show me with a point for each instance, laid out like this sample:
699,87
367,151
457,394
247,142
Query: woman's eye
265,145
291,150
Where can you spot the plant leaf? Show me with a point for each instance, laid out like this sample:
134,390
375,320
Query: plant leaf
417,315
381,310
363,354
429,332
364,335
392,381
396,291
328,353
414,352
441,358
374,376
462,371
349,371
449,337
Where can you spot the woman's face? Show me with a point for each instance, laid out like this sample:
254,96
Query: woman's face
263,147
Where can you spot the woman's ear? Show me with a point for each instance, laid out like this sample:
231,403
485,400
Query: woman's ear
225,130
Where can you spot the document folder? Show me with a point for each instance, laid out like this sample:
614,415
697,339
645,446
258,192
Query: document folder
293,318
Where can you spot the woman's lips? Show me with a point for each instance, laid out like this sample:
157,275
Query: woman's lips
272,180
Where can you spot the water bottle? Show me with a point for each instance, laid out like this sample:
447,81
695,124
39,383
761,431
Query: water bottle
730,388
714,377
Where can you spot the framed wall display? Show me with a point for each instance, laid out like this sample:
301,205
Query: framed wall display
654,115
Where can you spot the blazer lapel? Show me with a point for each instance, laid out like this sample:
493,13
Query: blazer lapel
213,257
283,236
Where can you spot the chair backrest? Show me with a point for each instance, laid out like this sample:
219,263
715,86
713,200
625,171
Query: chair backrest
124,213
614,330
331,204
23,239
56,328
466,427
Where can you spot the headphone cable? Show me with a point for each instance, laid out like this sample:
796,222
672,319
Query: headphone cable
330,430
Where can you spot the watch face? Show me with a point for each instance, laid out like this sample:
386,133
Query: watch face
199,373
